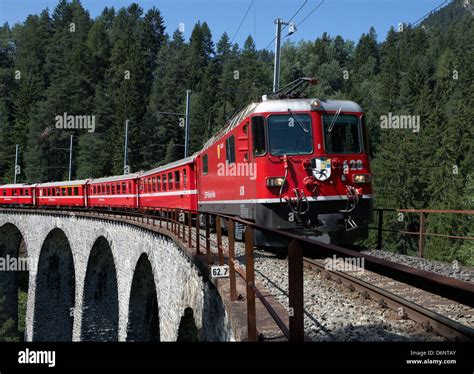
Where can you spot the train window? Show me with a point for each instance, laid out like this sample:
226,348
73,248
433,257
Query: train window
158,183
258,136
164,182
170,181
177,179
341,134
69,191
57,191
76,191
184,179
107,189
230,149
113,189
124,187
205,165
4,192
64,191
290,134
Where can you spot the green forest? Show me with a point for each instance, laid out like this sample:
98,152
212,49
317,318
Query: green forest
126,64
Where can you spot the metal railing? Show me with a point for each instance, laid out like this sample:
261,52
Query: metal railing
421,233
185,227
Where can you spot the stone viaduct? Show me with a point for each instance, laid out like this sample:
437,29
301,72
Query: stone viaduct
97,280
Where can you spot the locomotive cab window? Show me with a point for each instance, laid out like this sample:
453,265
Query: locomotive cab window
259,146
290,134
230,149
341,134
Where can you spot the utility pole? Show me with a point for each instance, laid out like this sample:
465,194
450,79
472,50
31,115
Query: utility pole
186,123
70,158
17,168
186,133
126,168
276,71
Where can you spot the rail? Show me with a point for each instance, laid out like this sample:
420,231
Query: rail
186,227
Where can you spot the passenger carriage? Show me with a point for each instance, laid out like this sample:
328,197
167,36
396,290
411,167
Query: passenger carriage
169,186
71,193
118,191
17,194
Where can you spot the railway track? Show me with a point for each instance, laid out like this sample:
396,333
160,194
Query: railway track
449,317
432,313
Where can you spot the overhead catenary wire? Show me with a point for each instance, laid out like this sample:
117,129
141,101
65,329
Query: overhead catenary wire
291,19
242,21
307,16
427,14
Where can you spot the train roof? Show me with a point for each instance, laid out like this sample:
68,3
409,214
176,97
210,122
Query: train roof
18,185
282,106
64,183
171,165
115,178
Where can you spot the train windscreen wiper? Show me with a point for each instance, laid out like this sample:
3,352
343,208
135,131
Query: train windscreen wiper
298,121
331,126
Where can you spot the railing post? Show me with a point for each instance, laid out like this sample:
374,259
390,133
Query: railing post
295,291
219,240
250,278
379,230
230,235
421,243
190,225
208,241
198,239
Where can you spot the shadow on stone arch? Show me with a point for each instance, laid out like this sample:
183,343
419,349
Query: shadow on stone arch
55,290
100,305
143,320
188,331
13,283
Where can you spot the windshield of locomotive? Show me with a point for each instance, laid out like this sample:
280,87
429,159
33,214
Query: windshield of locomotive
341,135
290,134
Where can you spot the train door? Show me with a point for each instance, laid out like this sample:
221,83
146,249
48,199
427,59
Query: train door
248,170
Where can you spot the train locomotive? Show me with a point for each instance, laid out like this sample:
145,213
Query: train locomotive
287,162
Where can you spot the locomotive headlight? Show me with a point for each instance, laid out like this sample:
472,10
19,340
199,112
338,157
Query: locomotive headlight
275,182
362,178
315,104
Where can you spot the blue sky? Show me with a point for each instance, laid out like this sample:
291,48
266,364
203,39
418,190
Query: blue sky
349,18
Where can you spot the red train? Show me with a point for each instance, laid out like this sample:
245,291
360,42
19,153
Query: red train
290,163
